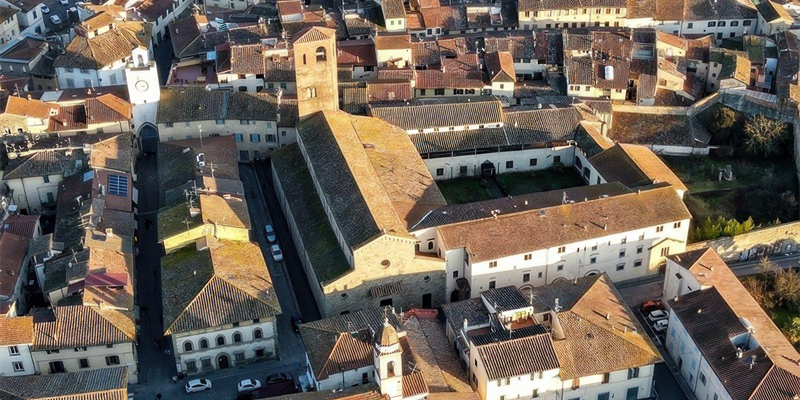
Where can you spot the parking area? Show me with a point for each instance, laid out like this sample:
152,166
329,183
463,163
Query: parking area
66,17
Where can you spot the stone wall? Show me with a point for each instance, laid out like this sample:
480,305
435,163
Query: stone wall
730,247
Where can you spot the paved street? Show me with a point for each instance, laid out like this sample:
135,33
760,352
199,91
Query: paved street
156,367
56,8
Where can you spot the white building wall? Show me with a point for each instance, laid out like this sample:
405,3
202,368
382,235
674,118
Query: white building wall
449,167
22,356
29,193
96,356
617,387
251,135
91,78
701,27
248,345
347,379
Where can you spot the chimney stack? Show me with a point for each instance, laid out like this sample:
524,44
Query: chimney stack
109,232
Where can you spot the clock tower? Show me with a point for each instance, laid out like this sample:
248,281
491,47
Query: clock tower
142,77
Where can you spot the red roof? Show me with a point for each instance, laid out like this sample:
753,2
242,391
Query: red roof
356,52
20,225
13,249
107,279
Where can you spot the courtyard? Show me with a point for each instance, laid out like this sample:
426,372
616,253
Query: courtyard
472,189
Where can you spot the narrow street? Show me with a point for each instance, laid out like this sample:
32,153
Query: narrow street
156,365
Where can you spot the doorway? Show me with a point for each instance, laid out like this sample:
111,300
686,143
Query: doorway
426,300
454,296
223,361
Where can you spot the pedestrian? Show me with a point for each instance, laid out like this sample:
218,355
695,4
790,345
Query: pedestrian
158,396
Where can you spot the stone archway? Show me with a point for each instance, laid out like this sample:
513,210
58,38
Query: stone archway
223,361
592,272
148,135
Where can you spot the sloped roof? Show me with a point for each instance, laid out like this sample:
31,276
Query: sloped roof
95,384
199,104
517,357
34,108
107,108
500,66
26,49
421,115
16,330
313,34
565,223
225,283
20,225
66,327
49,162
106,48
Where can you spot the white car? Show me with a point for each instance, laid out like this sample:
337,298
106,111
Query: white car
64,2
198,385
270,233
660,326
45,9
658,315
55,19
276,252
248,385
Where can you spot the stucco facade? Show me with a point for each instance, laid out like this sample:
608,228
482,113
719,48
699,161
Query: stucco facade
225,346
94,357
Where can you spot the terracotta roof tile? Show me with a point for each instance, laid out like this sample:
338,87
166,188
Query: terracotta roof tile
34,108
392,42
565,223
20,225
16,330
518,357
67,327
107,48
96,384
313,34
107,108
500,66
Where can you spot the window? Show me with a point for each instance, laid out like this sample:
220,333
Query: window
690,25
492,285
191,365
257,334
13,350
633,373
734,23
702,378
606,377
637,263
87,83
237,337
560,267
528,256
660,228
509,164
533,162
576,383
562,249
70,70
113,78
112,360
203,343
721,23
390,368
422,92
255,138
676,225
53,351
169,124
526,277
639,249
620,267
220,340
622,253
439,171
18,367
56,367
46,179
746,22
84,362
260,352
238,357
438,92
187,124
592,260
492,264
556,159
244,122
239,137
719,35
603,396
665,252
205,363
118,185
187,346
712,24
539,275
462,170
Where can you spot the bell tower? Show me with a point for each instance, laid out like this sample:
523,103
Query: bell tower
388,356
315,70
141,76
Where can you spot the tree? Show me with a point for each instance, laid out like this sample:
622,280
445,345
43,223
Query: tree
723,119
758,289
766,269
764,136
787,287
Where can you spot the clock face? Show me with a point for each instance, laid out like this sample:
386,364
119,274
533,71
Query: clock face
141,86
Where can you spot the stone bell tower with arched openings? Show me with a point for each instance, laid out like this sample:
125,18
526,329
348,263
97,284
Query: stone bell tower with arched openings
315,70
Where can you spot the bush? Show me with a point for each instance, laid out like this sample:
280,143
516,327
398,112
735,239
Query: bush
723,118
764,136
760,292
714,228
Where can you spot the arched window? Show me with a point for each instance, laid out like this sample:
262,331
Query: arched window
257,334
203,343
187,346
140,58
237,337
311,92
220,340
321,56
390,369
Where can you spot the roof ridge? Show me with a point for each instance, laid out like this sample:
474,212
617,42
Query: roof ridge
339,337
114,324
512,339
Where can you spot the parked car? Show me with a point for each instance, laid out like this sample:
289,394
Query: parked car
279,378
248,385
64,2
198,385
650,305
55,19
45,9
297,320
276,252
658,315
660,326
270,233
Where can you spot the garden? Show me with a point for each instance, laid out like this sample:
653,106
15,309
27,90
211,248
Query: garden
471,189
777,291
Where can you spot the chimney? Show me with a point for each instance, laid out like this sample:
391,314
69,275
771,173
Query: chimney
109,232
29,96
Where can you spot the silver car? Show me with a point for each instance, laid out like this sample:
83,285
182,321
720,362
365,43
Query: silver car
198,385
277,255
270,233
